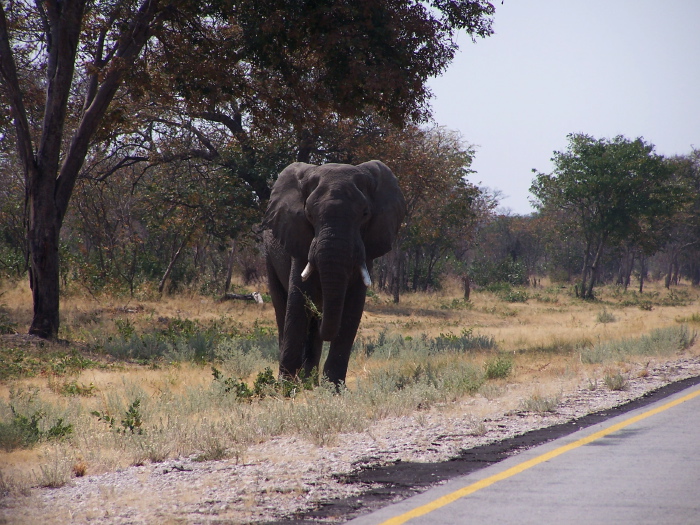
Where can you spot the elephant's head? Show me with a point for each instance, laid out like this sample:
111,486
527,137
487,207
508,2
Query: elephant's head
336,218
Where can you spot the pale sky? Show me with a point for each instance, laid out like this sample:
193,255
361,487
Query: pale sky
553,67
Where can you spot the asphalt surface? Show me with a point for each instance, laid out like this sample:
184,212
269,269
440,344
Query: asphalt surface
410,481
642,467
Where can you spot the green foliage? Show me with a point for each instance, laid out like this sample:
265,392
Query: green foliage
19,362
648,300
499,367
187,340
609,192
515,296
23,431
457,304
131,423
72,388
178,338
499,274
265,385
125,328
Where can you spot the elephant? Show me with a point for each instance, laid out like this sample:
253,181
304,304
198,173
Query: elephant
323,227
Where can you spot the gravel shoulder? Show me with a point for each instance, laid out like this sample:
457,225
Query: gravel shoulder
287,480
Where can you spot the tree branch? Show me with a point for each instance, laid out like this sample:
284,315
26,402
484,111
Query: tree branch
8,73
131,42
64,23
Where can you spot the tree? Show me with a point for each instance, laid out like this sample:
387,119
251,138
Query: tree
607,190
508,243
76,76
680,233
443,207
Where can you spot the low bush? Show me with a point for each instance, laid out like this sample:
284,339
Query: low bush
540,404
385,345
605,317
499,367
616,382
24,431
660,342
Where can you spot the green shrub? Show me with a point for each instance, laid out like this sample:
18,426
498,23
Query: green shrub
265,384
515,296
24,431
499,367
132,422
485,273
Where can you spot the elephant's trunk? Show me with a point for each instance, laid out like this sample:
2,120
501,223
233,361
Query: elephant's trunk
334,283
337,263
333,300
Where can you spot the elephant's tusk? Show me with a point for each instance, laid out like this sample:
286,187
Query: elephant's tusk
307,272
365,275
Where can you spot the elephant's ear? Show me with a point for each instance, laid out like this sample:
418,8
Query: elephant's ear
388,210
285,215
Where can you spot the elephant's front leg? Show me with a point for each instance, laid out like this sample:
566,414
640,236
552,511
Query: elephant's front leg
336,366
300,347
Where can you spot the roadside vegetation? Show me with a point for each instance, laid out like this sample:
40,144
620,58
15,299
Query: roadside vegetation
143,381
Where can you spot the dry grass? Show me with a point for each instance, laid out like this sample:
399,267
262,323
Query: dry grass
183,411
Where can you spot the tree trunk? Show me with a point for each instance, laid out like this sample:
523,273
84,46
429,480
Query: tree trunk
676,271
594,267
305,147
43,234
642,271
396,279
630,267
695,273
466,283
171,265
229,267
584,271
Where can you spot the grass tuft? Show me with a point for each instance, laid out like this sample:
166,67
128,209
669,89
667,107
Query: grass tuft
605,317
616,381
540,404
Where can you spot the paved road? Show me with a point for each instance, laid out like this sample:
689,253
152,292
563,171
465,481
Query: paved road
639,468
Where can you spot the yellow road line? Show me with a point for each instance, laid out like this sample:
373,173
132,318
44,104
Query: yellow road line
517,469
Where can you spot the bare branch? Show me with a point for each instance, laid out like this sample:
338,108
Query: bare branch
131,42
8,74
